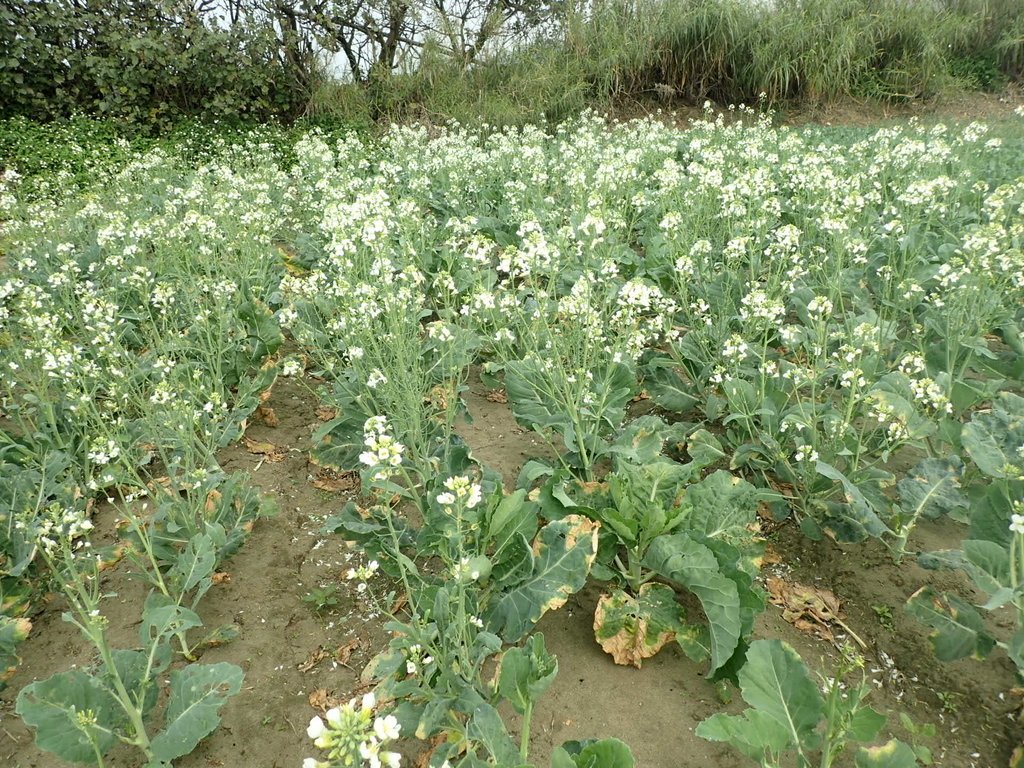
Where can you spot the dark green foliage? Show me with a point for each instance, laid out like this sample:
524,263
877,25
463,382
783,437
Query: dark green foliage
147,62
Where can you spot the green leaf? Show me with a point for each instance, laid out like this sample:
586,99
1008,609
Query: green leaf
958,629
632,629
162,618
704,448
993,439
486,727
932,489
893,754
195,565
991,510
989,565
679,558
865,724
69,712
338,442
775,681
753,733
641,441
524,384
857,513
559,564
613,388
786,705
132,667
526,673
721,506
606,753
193,711
667,388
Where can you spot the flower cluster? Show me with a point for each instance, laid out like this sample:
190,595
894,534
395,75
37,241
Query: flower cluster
460,489
351,735
384,453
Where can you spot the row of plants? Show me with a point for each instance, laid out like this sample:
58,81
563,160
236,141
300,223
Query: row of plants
135,348
698,324
792,325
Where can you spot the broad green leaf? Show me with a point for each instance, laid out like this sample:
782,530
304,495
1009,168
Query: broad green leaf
893,754
139,675
932,488
526,672
989,565
198,691
753,733
641,441
742,566
606,753
704,448
71,711
195,564
632,629
1015,650
857,512
613,388
775,681
993,439
680,559
865,724
721,506
560,561
338,442
506,515
162,618
531,405
958,630
991,509
667,388
486,727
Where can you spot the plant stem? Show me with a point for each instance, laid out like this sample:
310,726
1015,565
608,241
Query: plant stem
524,738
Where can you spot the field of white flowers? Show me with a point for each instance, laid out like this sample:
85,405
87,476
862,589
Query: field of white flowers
712,334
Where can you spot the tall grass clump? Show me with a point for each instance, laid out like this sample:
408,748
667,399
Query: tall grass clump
610,53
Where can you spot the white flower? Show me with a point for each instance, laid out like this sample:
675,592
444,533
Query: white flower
446,499
1017,524
386,728
316,728
369,700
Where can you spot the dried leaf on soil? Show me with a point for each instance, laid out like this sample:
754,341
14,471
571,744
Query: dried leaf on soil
266,414
321,700
272,453
809,609
329,480
325,413
497,396
770,556
399,604
315,657
344,652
